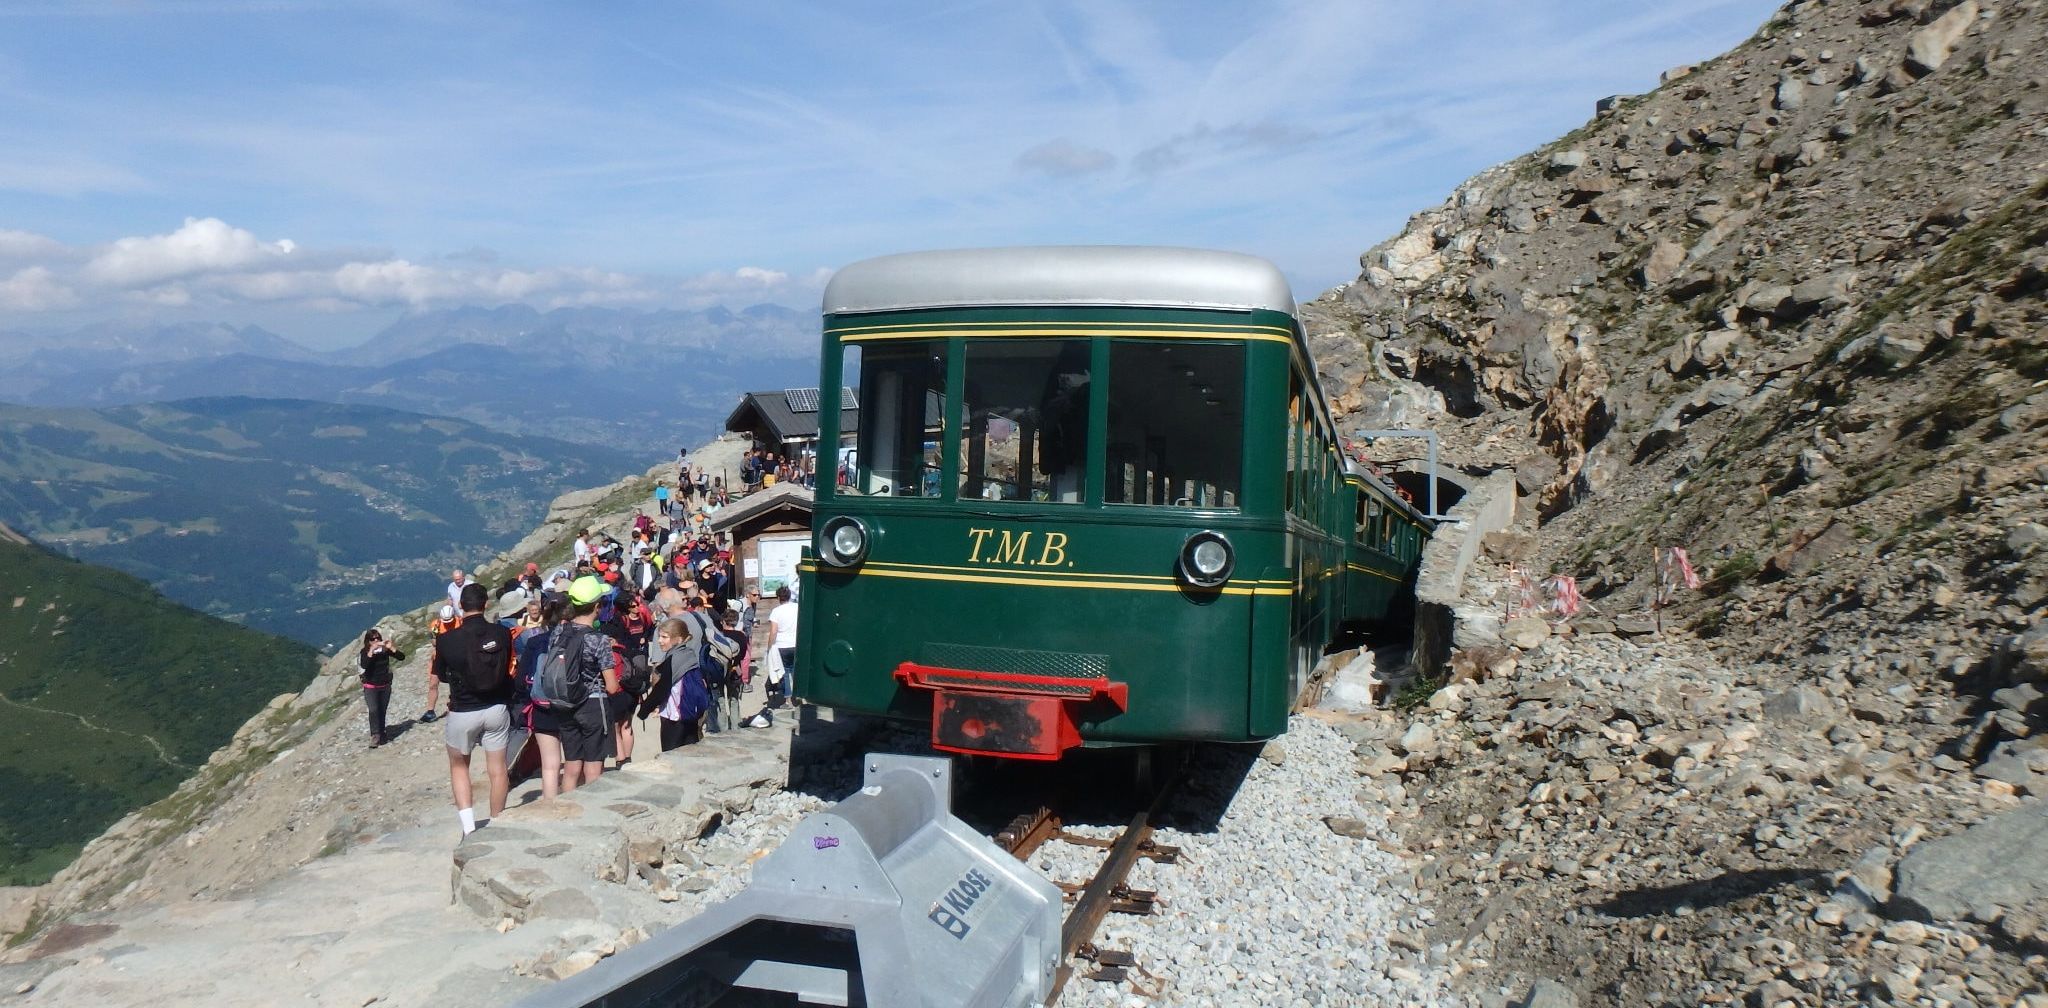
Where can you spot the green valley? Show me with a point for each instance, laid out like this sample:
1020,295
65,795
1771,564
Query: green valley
112,695
299,518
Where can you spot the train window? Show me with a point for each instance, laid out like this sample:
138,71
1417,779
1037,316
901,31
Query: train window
1176,424
902,398
1291,488
1025,431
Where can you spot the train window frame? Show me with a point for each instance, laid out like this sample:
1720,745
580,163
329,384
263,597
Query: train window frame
875,411
972,461
1291,479
1141,473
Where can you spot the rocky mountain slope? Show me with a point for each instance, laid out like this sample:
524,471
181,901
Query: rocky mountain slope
296,783
113,695
1784,312
294,517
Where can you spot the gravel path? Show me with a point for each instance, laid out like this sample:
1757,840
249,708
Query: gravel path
1268,904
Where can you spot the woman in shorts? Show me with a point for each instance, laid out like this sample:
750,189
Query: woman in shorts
532,648
586,732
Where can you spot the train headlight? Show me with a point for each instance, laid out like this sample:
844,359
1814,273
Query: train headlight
843,542
1206,559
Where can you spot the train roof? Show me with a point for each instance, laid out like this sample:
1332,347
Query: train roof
1060,275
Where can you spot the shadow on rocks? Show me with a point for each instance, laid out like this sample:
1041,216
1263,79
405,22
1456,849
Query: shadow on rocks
1089,787
825,751
1727,887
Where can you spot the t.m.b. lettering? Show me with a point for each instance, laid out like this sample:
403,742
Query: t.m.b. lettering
1016,548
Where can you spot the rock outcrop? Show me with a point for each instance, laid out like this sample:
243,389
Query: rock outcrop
1785,312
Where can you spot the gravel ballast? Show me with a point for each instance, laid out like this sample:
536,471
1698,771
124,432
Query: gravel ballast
1268,905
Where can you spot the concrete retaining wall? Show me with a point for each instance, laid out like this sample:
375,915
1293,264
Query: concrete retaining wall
1440,585
597,853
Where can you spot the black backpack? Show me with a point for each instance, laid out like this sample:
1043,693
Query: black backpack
636,679
717,653
489,654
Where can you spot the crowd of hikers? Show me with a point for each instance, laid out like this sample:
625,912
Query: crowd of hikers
654,628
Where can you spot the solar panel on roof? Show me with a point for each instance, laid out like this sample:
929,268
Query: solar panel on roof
847,400
801,400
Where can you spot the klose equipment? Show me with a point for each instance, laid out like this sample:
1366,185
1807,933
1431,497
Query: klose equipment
884,899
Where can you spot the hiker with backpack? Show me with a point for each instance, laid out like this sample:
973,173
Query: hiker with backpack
717,657
578,672
626,620
685,698
475,660
736,670
531,646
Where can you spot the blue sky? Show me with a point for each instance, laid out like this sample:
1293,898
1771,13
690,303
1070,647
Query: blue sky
320,168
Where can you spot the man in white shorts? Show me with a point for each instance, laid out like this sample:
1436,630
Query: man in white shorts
475,660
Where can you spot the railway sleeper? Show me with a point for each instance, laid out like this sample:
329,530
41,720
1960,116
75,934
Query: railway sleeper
1159,852
1122,899
1111,965
1126,900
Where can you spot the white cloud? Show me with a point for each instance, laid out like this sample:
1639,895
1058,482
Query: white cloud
207,264
27,245
201,245
747,285
35,289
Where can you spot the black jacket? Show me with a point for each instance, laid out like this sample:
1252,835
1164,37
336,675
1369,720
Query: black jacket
377,668
477,638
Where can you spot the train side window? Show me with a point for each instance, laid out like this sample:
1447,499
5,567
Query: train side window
1176,423
1026,420
902,398
1289,483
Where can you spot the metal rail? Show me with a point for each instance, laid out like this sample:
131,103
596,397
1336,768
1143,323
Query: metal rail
1105,892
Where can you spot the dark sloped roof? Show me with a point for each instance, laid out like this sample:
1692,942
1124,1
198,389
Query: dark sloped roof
790,413
794,494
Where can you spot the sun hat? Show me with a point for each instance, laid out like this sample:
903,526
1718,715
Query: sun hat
586,590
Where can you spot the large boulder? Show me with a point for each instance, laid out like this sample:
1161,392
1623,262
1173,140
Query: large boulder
1662,265
1931,46
1997,866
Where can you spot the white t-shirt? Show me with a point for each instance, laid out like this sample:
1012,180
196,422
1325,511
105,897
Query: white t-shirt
582,549
784,618
455,594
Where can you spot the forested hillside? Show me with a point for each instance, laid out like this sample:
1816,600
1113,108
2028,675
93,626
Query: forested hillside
112,695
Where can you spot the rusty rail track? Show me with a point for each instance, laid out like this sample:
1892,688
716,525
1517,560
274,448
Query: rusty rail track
1106,892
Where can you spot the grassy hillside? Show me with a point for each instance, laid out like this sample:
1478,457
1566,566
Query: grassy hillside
295,517
112,695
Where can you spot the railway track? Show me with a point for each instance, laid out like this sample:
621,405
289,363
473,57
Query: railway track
1105,892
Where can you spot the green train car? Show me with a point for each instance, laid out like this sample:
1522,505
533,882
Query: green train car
1096,498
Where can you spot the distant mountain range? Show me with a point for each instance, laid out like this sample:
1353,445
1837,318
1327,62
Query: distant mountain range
296,517
594,375
112,695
